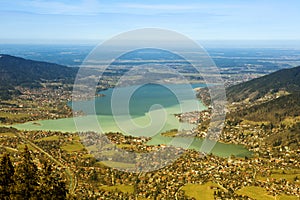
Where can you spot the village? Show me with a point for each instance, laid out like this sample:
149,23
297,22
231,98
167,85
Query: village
93,177
104,166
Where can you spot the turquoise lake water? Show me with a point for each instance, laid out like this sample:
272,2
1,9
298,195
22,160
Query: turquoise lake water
148,111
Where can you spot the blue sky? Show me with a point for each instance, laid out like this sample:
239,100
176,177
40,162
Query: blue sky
83,20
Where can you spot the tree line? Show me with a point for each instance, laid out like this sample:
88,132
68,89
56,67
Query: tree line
25,181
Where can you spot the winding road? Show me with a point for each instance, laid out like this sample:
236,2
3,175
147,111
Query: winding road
71,175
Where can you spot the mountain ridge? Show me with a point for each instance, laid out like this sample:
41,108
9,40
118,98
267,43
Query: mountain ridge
17,71
273,99
284,79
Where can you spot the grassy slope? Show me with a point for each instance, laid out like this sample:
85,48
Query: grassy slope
200,191
259,193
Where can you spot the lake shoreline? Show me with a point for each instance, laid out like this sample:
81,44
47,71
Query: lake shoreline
104,120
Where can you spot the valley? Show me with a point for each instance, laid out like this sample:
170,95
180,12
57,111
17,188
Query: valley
265,122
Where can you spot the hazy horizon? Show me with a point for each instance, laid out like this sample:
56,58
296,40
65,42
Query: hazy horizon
41,21
284,44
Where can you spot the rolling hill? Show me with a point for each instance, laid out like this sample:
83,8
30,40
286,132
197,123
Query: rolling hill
283,111
285,79
276,109
16,71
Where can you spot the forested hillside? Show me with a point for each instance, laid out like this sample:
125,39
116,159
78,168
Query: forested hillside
17,71
286,79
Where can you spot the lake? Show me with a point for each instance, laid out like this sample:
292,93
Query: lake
148,111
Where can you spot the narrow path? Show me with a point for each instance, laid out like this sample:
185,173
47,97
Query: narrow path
221,186
176,193
72,177
9,148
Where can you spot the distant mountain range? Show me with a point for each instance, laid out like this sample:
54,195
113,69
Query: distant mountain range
16,71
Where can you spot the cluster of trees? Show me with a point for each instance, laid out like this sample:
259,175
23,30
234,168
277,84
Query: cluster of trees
26,181
288,137
274,111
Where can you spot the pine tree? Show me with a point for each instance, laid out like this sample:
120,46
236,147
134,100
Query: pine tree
51,185
45,188
94,176
6,176
26,178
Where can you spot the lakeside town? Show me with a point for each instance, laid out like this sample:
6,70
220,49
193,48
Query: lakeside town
228,176
149,100
110,166
272,171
